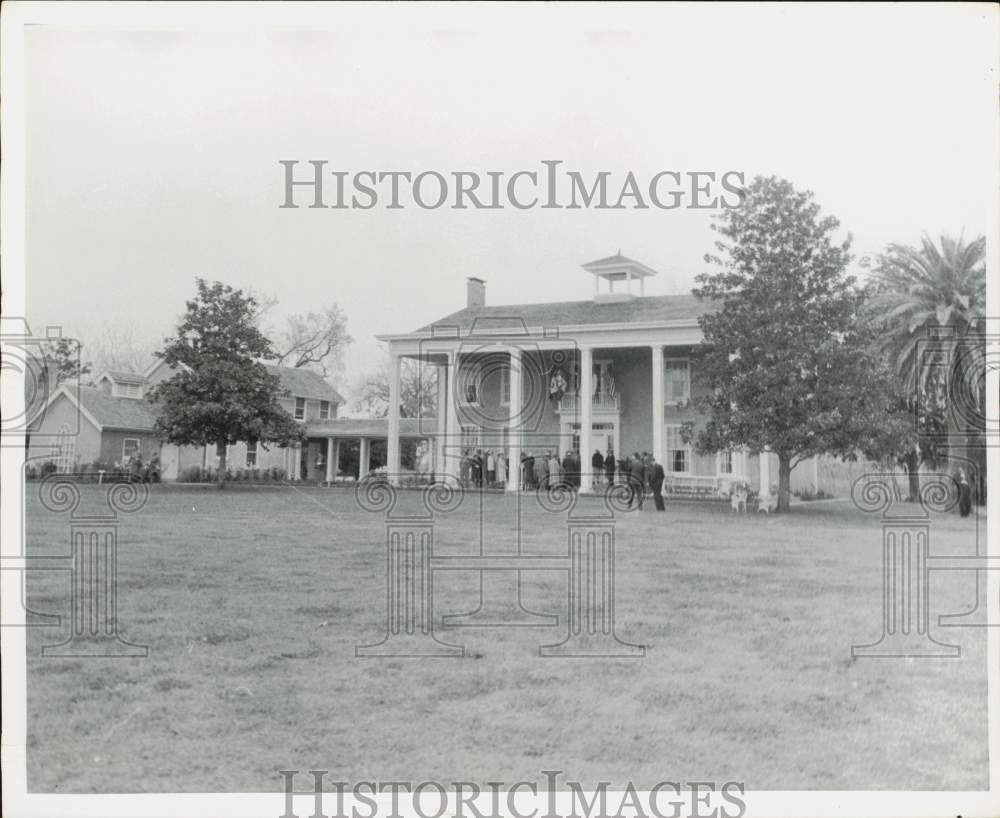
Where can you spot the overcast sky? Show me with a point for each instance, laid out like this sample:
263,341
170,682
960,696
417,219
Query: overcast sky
153,155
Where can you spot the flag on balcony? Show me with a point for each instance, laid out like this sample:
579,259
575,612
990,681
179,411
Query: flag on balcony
557,384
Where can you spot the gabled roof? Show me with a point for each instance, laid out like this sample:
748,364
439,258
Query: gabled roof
304,383
651,308
109,411
121,376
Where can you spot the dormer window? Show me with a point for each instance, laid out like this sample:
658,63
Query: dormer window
324,410
128,390
300,408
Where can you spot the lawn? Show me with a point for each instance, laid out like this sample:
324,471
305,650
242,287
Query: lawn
253,599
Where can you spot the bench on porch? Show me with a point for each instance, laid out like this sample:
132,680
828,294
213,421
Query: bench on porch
697,487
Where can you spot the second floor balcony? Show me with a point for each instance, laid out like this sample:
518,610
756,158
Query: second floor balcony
603,402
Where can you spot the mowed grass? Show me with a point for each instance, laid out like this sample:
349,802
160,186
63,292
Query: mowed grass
252,601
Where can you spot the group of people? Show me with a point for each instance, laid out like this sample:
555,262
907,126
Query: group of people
640,473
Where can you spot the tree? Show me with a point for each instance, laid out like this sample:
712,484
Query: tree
63,362
417,390
928,293
784,354
120,346
221,393
315,340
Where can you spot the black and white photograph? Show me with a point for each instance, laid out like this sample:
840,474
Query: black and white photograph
486,410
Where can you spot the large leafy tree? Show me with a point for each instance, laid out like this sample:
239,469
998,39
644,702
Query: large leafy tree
221,392
785,352
931,300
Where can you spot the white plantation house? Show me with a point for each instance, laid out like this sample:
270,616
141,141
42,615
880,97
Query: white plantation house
610,373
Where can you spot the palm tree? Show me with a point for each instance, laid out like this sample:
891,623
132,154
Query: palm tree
930,299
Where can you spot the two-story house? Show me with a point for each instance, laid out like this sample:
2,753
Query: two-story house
112,422
610,374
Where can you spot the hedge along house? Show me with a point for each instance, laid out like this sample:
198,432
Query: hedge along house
112,422
609,374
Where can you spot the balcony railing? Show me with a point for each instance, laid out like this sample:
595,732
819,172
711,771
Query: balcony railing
601,402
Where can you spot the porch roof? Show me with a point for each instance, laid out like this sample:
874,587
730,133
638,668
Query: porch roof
370,427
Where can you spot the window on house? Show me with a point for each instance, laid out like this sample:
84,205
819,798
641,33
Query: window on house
470,437
300,408
128,390
677,382
505,385
678,452
725,462
324,410
252,454
130,449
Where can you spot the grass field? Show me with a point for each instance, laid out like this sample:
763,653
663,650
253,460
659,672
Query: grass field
252,601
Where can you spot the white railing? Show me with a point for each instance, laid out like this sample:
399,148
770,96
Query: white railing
601,402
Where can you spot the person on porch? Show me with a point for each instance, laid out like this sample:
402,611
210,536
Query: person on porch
609,466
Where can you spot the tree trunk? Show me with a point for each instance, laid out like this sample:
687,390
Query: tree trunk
221,477
784,482
912,464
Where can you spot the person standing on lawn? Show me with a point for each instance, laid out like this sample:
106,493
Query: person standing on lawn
656,477
636,470
542,471
491,469
609,466
964,495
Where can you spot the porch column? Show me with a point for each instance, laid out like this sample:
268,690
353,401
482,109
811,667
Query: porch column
336,457
392,443
514,421
296,463
658,452
586,404
442,421
764,461
329,460
453,434
363,457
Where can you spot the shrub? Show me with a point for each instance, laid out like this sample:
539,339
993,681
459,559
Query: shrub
47,468
192,474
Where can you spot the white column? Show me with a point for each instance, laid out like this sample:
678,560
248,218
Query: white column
392,443
442,421
363,457
453,434
586,404
296,463
329,460
764,460
658,452
514,421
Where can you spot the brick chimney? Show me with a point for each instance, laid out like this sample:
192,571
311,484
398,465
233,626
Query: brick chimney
475,292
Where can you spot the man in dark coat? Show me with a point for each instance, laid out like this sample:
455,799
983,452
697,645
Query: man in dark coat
567,467
597,464
656,483
635,479
964,495
609,467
